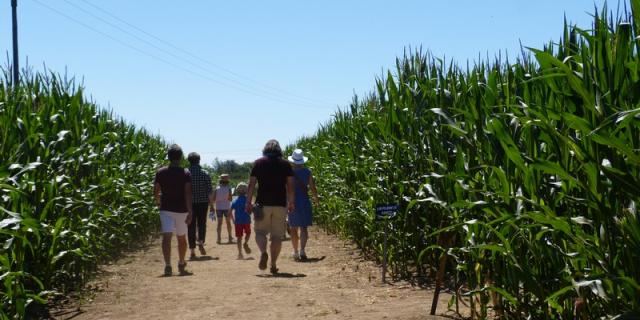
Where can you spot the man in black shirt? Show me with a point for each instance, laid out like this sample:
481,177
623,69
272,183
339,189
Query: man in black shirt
276,197
172,194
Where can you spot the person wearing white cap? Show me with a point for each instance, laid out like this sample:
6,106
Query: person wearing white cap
301,218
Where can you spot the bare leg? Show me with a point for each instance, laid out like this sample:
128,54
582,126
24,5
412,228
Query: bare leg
276,245
239,247
294,238
166,247
261,241
182,247
304,236
228,220
219,228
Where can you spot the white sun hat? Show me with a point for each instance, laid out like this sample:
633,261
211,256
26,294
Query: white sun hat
297,157
241,188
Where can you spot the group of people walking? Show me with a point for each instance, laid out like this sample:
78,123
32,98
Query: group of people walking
282,192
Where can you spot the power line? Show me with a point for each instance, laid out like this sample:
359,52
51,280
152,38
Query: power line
197,57
165,61
198,66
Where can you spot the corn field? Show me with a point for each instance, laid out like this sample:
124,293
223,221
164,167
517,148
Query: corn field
530,168
75,189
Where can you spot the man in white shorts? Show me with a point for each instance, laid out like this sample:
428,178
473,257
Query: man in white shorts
172,193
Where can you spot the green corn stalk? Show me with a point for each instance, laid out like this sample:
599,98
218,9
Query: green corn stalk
74,189
533,165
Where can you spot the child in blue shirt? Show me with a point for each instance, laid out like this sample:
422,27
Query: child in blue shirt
242,219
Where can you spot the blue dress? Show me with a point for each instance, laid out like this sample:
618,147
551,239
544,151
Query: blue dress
302,215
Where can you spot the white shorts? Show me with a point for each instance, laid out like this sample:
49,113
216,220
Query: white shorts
173,222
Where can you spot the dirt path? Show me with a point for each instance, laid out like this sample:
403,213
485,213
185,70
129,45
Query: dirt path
336,284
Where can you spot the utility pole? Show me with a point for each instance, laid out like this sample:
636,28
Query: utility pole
16,67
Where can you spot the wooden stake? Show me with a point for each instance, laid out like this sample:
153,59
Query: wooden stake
444,240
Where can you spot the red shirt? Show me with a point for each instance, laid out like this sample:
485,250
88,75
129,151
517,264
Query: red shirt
172,182
272,174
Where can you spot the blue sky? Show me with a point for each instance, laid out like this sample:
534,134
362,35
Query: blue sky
223,77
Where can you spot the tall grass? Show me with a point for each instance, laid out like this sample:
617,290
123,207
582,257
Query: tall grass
531,166
74,188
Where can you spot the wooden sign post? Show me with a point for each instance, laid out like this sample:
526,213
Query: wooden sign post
385,212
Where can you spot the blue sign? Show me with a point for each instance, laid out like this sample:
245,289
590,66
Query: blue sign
386,211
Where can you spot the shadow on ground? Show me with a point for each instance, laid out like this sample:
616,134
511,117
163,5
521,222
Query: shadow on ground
66,315
312,260
282,275
204,258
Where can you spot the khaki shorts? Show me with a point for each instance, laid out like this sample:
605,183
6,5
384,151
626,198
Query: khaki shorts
272,222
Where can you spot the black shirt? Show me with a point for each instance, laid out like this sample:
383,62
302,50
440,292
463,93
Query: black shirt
272,174
172,182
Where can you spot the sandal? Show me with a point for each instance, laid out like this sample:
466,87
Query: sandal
263,261
273,270
182,269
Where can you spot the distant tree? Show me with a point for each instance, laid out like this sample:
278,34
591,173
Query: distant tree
237,172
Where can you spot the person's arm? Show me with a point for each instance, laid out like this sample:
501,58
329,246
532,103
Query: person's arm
188,198
290,194
250,188
210,209
213,199
156,194
230,195
210,193
233,215
314,191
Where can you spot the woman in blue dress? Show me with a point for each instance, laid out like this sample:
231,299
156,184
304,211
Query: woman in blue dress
301,218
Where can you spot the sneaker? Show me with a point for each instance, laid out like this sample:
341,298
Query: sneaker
262,265
201,248
303,257
273,270
246,248
167,271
